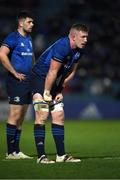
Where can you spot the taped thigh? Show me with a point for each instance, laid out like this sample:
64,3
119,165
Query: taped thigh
41,105
56,106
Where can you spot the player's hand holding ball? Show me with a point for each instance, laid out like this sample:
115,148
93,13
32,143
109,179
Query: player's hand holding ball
47,96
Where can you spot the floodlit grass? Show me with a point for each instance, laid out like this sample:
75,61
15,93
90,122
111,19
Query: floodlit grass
97,143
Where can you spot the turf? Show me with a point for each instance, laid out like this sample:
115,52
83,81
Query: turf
97,143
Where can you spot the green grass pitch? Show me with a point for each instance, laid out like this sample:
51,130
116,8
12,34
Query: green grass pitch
97,143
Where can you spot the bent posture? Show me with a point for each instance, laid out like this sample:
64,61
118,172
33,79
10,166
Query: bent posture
53,70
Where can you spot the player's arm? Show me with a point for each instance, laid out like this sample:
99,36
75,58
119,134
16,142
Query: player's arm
50,78
65,81
4,51
70,74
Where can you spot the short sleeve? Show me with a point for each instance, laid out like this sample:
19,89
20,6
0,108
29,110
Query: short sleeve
10,41
60,51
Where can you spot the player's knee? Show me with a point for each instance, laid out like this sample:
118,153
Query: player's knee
58,113
41,111
37,96
41,117
14,117
58,117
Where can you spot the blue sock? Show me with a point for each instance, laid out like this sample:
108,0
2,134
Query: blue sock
17,141
10,132
39,134
58,135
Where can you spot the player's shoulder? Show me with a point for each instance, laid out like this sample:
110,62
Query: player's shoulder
63,43
11,40
12,34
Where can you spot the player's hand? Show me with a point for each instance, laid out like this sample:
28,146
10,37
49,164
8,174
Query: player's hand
20,76
47,96
59,97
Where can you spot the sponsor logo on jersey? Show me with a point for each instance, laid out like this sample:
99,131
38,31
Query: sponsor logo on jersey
26,53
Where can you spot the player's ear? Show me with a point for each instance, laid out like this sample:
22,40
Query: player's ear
20,22
73,36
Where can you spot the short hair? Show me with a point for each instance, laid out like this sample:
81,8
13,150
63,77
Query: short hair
79,27
24,14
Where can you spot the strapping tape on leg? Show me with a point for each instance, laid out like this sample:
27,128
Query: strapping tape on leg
56,106
41,105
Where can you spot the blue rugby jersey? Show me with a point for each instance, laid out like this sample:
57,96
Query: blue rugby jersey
21,51
61,52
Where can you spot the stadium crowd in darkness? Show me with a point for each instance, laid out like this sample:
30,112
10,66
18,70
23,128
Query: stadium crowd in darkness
101,64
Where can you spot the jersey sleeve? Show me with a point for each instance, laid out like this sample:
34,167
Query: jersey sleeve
60,52
10,41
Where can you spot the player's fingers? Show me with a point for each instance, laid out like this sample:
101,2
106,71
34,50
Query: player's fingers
23,78
23,75
20,77
58,98
47,98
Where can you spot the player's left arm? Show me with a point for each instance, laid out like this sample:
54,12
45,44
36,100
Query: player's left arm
70,74
4,51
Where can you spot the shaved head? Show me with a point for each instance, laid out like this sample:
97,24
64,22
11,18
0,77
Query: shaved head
78,35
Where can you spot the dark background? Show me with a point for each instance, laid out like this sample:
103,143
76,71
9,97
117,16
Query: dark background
98,75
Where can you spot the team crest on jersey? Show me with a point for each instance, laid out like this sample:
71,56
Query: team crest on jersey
77,55
17,99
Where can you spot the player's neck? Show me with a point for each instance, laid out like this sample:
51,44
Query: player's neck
23,33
